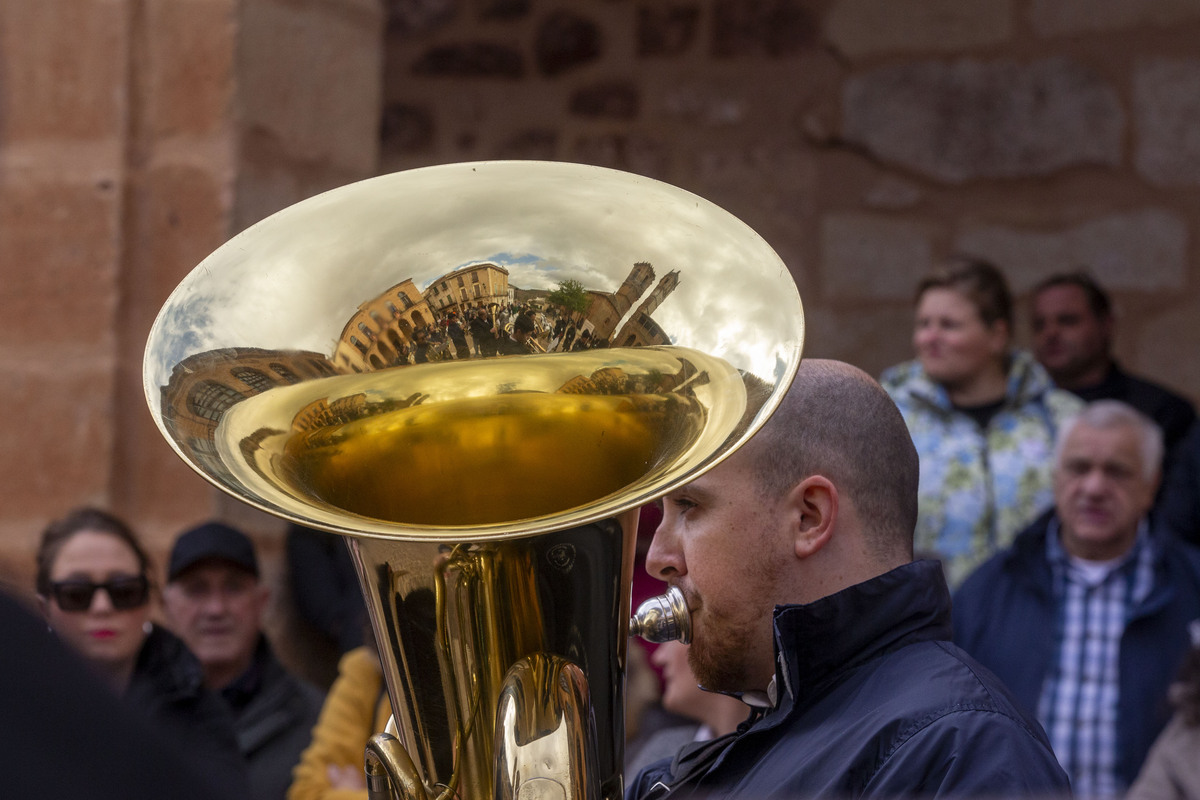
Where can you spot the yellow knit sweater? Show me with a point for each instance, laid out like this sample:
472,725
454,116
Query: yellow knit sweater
355,709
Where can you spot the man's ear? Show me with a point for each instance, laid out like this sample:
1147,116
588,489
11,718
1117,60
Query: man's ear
814,506
261,599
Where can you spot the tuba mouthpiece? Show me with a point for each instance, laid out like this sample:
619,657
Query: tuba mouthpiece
664,618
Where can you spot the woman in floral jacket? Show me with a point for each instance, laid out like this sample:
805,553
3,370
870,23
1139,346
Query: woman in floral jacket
982,416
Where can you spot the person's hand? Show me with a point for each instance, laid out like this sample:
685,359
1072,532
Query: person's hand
346,776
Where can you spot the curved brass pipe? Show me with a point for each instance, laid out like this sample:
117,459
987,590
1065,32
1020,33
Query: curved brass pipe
545,739
391,774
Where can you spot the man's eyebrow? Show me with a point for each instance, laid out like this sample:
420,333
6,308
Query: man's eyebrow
692,490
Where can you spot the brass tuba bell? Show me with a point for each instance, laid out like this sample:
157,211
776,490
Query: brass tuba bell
477,373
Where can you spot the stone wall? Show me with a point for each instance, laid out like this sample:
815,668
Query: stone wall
135,137
864,139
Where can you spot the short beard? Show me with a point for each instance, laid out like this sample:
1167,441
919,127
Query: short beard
719,661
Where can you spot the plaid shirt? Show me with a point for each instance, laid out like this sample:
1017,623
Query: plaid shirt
1078,706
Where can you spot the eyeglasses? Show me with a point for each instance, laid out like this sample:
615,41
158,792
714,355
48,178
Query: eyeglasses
124,593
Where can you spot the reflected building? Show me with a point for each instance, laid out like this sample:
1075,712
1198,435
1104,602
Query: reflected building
203,386
474,286
380,334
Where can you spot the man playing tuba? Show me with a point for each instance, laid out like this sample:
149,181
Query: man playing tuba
843,647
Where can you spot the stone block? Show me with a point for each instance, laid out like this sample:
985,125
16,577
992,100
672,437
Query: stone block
969,119
616,99
58,432
892,192
628,152
865,27
537,144
873,257
872,339
1140,250
311,74
471,60
755,28
190,54
1066,17
413,17
180,216
1156,347
156,487
666,29
58,248
776,184
63,66
501,9
405,128
566,41
709,103
1167,121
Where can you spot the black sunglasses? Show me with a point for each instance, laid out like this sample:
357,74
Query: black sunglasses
125,593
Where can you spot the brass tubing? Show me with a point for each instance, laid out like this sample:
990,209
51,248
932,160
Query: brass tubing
391,774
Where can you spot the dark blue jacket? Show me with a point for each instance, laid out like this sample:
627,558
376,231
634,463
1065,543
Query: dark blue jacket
1178,505
874,701
1005,616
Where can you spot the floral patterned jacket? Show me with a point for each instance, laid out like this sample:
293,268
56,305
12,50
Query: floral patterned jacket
978,486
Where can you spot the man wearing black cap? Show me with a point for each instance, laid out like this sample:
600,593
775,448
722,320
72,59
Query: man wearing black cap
215,602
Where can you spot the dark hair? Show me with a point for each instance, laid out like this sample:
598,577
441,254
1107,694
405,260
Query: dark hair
1097,299
979,281
838,422
60,531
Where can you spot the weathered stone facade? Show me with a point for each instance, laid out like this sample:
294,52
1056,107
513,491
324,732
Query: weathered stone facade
863,138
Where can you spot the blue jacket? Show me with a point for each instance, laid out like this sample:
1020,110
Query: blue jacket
873,701
1005,616
979,486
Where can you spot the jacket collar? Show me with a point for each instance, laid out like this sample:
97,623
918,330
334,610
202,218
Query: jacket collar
819,642
1027,563
1027,380
165,668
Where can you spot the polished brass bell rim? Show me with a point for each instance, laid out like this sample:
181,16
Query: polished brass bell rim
292,332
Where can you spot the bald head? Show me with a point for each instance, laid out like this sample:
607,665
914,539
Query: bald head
836,421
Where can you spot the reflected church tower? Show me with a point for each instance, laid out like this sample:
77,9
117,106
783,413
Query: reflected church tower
635,285
607,310
641,329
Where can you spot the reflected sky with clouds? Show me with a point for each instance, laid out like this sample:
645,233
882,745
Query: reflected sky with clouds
292,281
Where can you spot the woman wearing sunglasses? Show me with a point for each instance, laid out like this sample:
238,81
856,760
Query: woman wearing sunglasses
94,588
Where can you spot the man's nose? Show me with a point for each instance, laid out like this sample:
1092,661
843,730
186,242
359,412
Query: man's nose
213,602
664,560
1094,482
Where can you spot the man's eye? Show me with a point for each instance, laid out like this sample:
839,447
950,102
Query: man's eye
682,503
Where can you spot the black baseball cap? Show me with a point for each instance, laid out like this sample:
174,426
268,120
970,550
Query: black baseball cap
211,541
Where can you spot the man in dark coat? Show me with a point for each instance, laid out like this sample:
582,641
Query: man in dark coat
1086,616
1178,505
1073,332
215,601
795,558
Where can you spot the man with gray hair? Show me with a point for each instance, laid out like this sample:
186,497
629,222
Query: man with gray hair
1085,617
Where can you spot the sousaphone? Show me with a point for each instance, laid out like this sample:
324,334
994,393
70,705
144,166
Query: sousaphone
489,490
